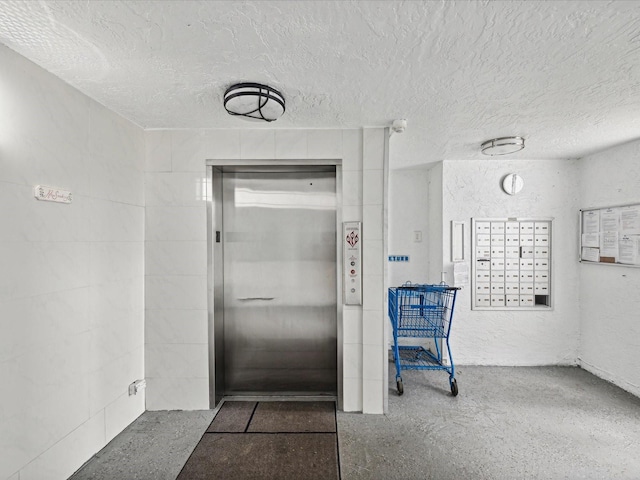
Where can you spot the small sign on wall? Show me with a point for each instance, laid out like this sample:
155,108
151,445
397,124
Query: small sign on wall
51,194
352,261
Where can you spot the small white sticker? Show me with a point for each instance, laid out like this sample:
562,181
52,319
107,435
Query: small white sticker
51,194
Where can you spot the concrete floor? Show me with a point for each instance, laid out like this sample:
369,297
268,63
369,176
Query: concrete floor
154,447
506,423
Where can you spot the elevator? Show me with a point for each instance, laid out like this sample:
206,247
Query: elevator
274,278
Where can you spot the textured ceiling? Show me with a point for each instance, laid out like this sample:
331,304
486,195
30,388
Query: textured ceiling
563,74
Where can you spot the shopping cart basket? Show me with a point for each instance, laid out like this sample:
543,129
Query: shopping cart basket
422,311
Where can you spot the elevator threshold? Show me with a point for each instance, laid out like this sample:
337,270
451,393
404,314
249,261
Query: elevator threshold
279,398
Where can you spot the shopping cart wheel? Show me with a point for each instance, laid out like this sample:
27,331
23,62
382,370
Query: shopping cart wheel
400,386
454,387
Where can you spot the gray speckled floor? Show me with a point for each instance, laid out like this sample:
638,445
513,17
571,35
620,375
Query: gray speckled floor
154,447
506,423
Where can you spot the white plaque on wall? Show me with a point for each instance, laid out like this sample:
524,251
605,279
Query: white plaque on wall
51,194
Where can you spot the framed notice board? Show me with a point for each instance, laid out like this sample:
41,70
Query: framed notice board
611,235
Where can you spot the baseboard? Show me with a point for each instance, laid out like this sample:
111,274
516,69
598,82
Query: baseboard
610,377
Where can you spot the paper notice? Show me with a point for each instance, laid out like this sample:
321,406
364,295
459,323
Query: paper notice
590,254
609,221
629,249
609,244
630,220
590,240
591,221
460,274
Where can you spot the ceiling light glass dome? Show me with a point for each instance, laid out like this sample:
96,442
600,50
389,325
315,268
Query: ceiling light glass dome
254,101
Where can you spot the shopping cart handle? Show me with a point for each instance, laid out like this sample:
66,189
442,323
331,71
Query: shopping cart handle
246,299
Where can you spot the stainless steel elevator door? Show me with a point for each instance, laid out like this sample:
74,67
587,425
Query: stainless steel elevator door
280,315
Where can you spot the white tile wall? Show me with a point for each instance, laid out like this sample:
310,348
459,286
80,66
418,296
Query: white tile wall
375,257
177,360
352,361
177,393
352,392
63,459
176,223
372,222
176,256
176,339
372,368
223,144
61,224
372,181
373,324
374,349
167,326
67,313
257,144
352,150
372,396
71,292
373,286
351,211
157,151
291,144
176,291
325,144
118,414
352,188
189,148
373,147
352,324
185,189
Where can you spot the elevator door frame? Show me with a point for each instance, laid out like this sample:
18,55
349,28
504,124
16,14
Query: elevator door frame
215,274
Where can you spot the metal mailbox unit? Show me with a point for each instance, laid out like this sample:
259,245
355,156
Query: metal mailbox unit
511,263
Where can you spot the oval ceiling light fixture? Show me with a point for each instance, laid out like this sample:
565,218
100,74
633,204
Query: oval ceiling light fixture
254,101
502,146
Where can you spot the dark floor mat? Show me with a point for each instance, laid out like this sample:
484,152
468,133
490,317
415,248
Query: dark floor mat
282,417
232,417
264,456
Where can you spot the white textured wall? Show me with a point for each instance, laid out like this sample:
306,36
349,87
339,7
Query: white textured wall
176,253
610,295
434,235
547,337
71,287
408,213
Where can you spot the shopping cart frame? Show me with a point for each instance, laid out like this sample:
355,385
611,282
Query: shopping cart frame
422,311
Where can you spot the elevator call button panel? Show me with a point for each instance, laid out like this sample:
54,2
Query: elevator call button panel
352,262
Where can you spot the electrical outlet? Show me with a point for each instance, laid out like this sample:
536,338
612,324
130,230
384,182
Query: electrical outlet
417,236
137,386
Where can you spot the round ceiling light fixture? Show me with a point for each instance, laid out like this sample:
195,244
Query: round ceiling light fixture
254,101
502,146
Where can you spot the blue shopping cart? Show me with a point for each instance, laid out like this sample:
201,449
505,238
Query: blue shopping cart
422,311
